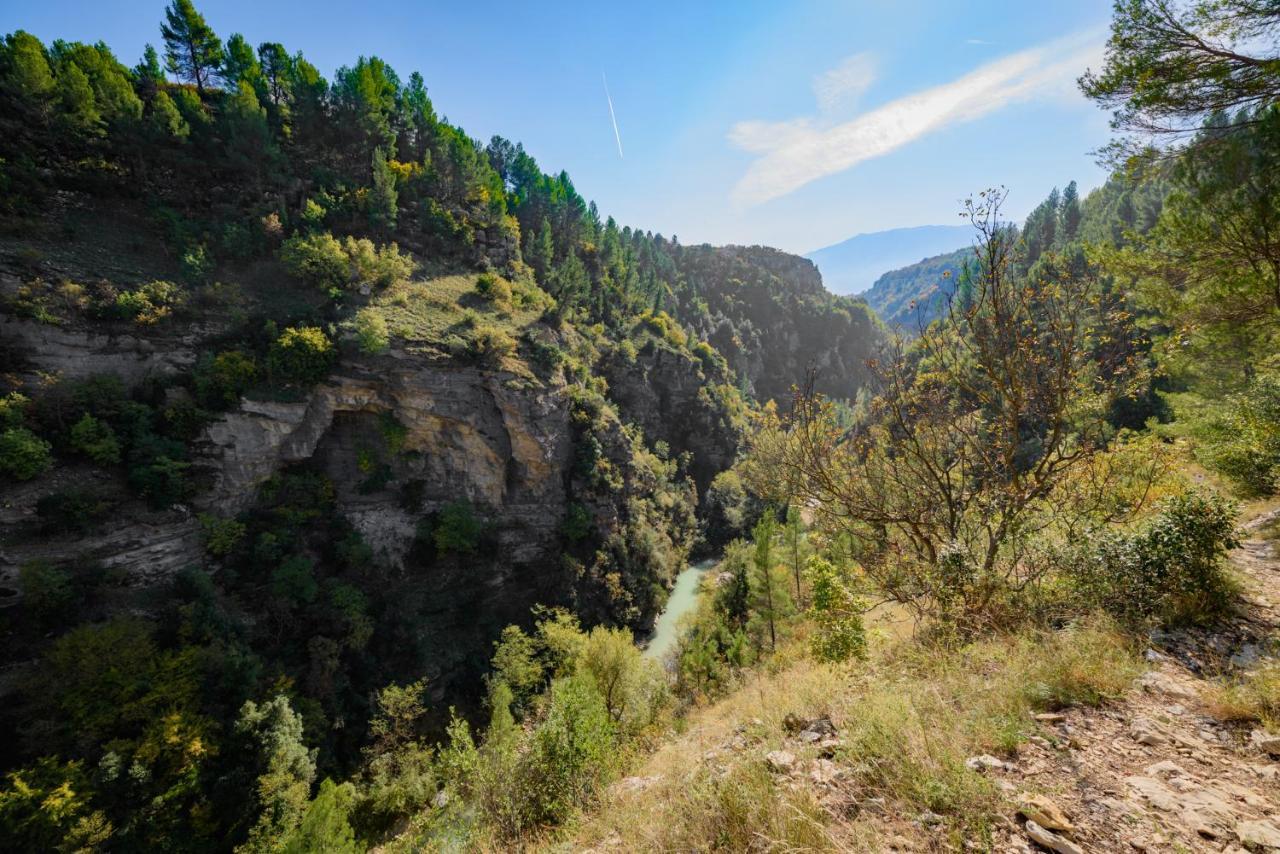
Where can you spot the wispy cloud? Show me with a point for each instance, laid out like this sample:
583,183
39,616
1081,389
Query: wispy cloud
613,118
843,85
977,41
801,150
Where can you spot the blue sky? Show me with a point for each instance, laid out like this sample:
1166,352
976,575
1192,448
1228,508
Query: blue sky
790,124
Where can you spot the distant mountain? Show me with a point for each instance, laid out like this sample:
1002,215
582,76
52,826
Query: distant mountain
914,295
851,266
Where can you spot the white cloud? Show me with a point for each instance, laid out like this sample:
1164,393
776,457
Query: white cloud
798,151
977,41
844,84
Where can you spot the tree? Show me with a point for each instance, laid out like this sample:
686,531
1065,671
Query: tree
192,50
794,533
325,828
971,438
836,612
383,199
1168,68
286,769
770,599
1212,262
240,65
1069,213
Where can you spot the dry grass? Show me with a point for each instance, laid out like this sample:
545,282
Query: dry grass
908,719
1254,697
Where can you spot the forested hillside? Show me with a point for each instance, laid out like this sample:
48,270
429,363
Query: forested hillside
306,396
345,458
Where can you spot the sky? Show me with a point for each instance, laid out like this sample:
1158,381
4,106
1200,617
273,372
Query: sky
790,124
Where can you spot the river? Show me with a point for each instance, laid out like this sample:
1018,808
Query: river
683,599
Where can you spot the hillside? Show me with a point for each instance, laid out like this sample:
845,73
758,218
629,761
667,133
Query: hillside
916,294
307,395
852,266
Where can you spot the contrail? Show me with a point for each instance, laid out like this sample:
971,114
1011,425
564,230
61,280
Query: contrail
612,117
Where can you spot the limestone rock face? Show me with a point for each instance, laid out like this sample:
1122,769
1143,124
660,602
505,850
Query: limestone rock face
499,441
77,353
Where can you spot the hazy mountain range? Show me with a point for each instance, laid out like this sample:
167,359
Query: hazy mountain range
853,265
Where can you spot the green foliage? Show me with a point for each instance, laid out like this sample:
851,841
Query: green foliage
839,634
48,807
147,304
578,523
96,440
192,50
494,290
316,258
770,597
372,332
13,409
47,590
221,380
398,777
572,751
320,259
1171,568
458,529
489,345
220,536
1242,439
294,580
324,826
23,454
302,355
285,771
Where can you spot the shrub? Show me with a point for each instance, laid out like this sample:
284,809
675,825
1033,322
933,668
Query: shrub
71,511
490,345
1170,569
197,264
294,580
147,304
23,454
96,440
494,290
219,535
224,378
13,409
1245,445
302,355
837,614
572,752
458,529
371,331
382,266
47,590
317,259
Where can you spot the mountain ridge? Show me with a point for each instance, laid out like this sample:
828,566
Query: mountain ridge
852,266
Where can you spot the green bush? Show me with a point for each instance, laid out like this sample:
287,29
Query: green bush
221,380
301,355
147,304
837,614
371,331
458,529
1171,568
494,290
381,266
96,440
13,409
1245,444
220,535
47,590
23,454
490,345
572,752
71,510
317,259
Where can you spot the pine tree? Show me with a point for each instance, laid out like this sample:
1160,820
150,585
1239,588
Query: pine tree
795,547
1070,213
770,599
383,201
192,50
240,64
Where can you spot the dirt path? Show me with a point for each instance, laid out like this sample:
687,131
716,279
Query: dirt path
1158,772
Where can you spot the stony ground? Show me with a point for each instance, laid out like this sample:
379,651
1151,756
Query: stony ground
1158,772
